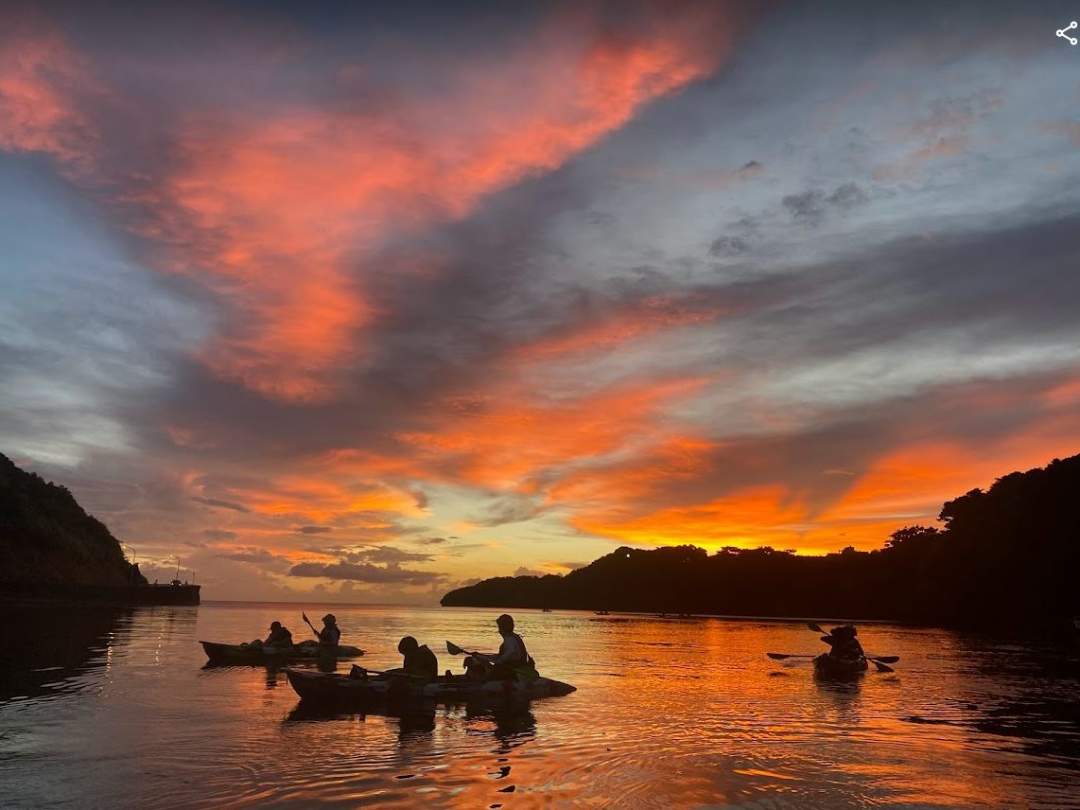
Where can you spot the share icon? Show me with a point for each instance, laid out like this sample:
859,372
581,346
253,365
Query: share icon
1062,32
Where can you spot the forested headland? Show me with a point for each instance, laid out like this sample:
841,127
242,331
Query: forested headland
1006,556
46,538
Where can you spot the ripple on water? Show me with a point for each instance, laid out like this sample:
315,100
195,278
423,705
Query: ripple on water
668,713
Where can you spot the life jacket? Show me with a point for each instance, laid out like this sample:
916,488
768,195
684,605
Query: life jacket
523,656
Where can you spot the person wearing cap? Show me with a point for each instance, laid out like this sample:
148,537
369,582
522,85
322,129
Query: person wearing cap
279,636
330,635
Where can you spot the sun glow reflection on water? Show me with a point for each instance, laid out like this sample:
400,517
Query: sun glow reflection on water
667,713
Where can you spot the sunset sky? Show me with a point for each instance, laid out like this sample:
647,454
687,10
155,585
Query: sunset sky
366,303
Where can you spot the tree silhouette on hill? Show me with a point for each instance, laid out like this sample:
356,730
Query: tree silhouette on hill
46,537
1006,556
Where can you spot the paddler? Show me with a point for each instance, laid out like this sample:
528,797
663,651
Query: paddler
279,636
844,643
503,665
330,635
420,662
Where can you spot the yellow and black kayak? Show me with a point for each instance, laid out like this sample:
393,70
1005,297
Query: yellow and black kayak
254,654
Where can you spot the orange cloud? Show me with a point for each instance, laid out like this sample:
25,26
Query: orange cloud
314,496
279,208
671,460
747,518
505,441
40,79
612,330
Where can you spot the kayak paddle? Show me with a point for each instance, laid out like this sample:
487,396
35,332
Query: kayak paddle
454,649
884,659
309,624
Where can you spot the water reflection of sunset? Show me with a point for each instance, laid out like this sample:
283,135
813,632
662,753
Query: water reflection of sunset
668,712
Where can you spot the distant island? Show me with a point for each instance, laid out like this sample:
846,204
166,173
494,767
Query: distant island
50,548
1006,557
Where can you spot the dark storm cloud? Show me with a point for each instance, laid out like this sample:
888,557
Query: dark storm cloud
315,529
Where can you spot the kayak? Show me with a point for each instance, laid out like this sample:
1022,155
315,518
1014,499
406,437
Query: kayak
829,666
246,654
335,689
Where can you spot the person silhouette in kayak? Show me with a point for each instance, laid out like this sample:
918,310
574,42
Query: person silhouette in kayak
504,664
330,635
420,661
844,643
279,636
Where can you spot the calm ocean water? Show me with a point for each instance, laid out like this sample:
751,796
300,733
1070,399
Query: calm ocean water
114,709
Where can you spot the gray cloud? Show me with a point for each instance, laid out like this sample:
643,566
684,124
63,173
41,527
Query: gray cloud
365,572
382,554
219,534
258,556
812,206
220,504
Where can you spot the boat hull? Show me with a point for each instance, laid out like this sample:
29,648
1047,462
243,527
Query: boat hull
828,666
238,654
333,689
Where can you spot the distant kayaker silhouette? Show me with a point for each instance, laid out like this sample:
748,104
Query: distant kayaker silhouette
279,637
844,643
330,635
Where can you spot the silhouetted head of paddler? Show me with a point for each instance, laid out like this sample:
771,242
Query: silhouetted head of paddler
505,623
843,641
279,635
407,645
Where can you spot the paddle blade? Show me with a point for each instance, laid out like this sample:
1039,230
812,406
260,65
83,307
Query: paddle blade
777,656
882,667
453,649
815,627
306,619
885,659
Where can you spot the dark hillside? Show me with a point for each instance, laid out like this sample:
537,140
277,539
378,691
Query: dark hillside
46,537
